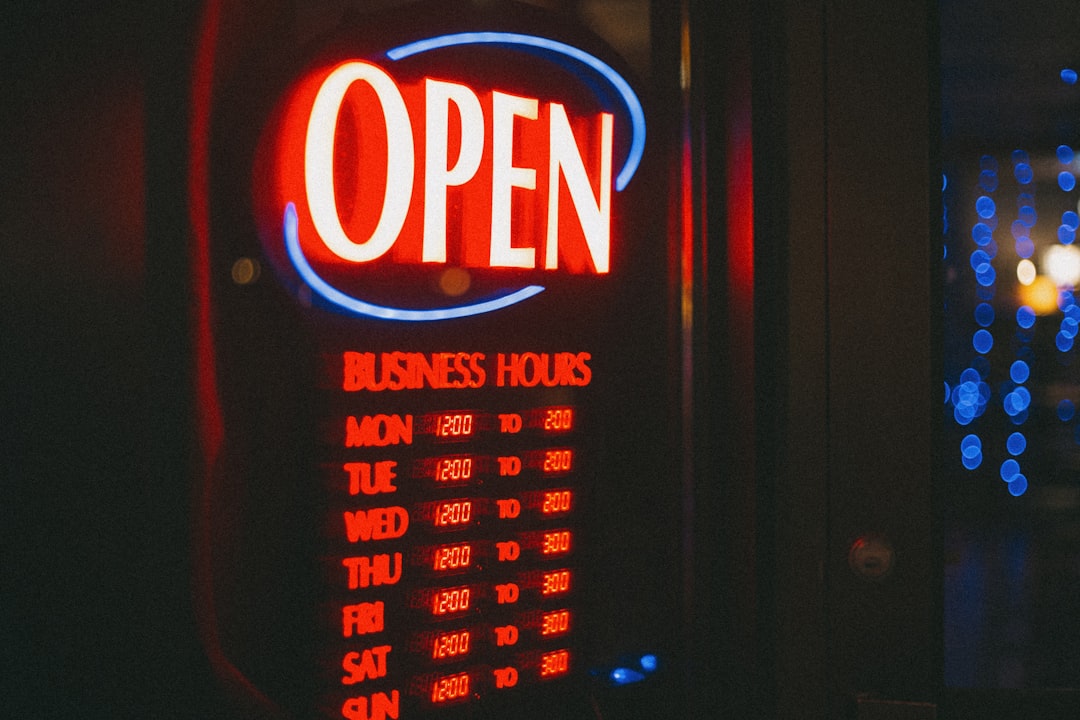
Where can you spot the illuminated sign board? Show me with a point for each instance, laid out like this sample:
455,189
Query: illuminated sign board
448,394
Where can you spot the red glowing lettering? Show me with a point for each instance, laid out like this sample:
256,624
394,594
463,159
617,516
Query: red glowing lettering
411,371
378,431
451,600
509,551
376,524
454,425
452,557
558,419
550,370
506,677
506,593
378,706
556,542
365,665
510,423
363,480
509,466
506,635
362,618
554,663
450,645
555,623
453,469
367,571
556,501
509,508
557,461
455,512
560,199
555,582
451,687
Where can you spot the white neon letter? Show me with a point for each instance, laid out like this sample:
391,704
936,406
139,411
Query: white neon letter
319,162
437,176
504,177
594,214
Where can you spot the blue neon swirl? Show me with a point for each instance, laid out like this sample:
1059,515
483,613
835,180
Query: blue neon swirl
629,97
359,307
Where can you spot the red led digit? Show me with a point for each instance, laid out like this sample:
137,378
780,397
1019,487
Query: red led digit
452,557
557,460
450,600
555,623
453,512
556,543
555,582
554,663
450,645
454,469
450,687
558,419
556,501
452,425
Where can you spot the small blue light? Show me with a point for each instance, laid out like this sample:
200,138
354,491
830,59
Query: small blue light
982,340
1023,173
1009,470
1066,299
984,314
963,414
971,462
1066,180
1068,76
970,375
1019,371
649,663
1066,410
1064,154
625,676
1025,317
1066,235
1020,418
979,258
1070,219
971,446
981,233
629,97
1069,327
1063,342
985,275
988,180
1016,444
947,392
1018,486
1025,248
985,207
1028,216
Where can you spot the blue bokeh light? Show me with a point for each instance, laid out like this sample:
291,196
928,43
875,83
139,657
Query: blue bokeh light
649,662
1066,180
1023,173
982,341
1018,486
1019,371
1066,409
1068,76
1064,154
1016,443
1025,316
1009,470
985,206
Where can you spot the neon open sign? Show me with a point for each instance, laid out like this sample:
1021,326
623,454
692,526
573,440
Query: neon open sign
376,172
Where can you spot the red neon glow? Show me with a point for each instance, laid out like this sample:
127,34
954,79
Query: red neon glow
555,623
451,600
554,663
560,419
557,461
452,557
457,468
412,371
555,582
450,687
529,180
451,645
378,430
556,543
556,501
365,664
453,513
454,425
